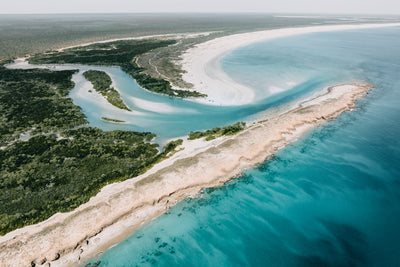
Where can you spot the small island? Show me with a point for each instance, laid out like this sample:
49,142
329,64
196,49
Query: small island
61,163
97,223
69,190
119,53
111,120
102,84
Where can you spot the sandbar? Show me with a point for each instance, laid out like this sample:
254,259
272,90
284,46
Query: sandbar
70,239
201,63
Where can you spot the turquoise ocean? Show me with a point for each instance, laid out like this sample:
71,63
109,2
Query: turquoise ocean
330,199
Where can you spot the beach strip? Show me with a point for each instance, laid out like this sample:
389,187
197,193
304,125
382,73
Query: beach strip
201,64
70,239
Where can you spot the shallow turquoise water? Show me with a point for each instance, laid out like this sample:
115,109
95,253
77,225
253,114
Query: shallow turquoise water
330,199
274,69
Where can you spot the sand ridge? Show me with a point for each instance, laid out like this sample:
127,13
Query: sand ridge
68,239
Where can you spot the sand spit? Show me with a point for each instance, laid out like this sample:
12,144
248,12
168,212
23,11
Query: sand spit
69,239
202,62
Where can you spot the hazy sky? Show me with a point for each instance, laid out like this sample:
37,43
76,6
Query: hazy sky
107,6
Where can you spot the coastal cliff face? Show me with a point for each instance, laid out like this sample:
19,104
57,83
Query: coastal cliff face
71,238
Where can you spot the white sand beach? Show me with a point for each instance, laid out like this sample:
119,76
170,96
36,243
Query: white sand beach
203,70
70,239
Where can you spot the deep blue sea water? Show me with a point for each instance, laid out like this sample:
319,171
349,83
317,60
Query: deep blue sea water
330,199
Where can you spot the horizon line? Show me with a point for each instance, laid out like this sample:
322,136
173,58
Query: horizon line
210,13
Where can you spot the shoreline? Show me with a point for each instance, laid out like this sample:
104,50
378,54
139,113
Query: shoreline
201,63
73,238
67,239
165,36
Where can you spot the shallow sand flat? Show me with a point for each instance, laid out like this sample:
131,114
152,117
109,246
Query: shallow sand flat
72,238
202,68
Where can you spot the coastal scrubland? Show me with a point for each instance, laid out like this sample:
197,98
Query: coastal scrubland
218,131
71,238
49,160
54,162
102,84
35,101
26,34
112,120
118,53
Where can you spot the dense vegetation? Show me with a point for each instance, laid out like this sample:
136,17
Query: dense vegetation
24,34
60,166
154,84
119,53
35,101
218,131
111,120
102,84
